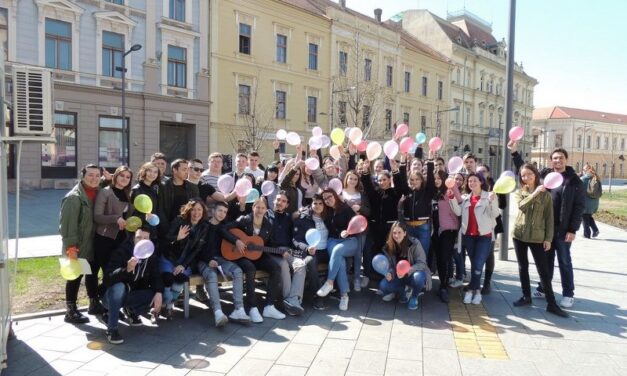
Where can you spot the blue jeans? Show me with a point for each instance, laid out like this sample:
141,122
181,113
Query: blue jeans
230,270
423,234
339,249
171,293
562,249
478,248
117,296
397,285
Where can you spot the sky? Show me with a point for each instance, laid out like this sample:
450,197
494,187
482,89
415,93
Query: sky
575,50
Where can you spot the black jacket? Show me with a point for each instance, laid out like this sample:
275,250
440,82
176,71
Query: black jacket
245,223
417,203
211,250
303,222
384,202
184,251
166,202
145,276
152,192
337,221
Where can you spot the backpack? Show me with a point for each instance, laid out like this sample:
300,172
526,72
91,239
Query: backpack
594,189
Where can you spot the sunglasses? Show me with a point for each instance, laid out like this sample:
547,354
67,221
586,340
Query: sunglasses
198,169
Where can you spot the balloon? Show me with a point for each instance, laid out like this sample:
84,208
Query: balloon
267,188
347,130
505,185
362,146
133,223
516,133
226,184
455,165
316,132
154,220
355,135
553,180
143,249
70,269
357,225
315,142
293,138
313,237
252,195
390,148
326,141
508,173
143,203
373,150
381,264
335,152
449,183
402,130
421,138
336,185
281,134
312,163
406,144
413,148
242,187
337,136
402,268
435,144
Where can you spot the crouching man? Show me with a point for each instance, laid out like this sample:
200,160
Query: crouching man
132,284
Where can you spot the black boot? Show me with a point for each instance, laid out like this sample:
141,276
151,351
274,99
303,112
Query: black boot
524,301
73,316
556,310
95,307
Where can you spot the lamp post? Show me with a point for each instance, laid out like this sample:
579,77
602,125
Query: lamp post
583,143
135,47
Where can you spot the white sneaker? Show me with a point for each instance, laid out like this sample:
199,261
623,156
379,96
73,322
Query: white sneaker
389,297
537,294
271,312
456,283
476,299
344,303
324,290
220,318
239,315
357,285
365,281
255,316
379,292
468,297
567,302
451,280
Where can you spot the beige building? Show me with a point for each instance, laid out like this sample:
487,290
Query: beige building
590,137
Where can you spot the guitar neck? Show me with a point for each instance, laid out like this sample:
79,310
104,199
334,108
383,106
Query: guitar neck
272,250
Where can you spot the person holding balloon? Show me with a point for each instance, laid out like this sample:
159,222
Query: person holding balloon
291,184
148,180
354,196
270,185
242,204
407,267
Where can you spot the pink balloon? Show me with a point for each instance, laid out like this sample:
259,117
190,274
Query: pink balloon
516,133
406,144
267,188
355,135
336,185
401,130
373,150
455,165
315,142
449,183
402,268
363,145
225,184
553,180
316,131
357,225
435,144
143,249
312,163
242,187
335,152
390,148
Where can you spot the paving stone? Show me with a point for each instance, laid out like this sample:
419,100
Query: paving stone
285,370
441,362
367,362
298,355
394,367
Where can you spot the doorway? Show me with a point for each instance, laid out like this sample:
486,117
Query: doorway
177,140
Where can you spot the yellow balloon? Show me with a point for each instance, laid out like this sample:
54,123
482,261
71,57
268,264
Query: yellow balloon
504,185
70,269
337,136
133,223
143,203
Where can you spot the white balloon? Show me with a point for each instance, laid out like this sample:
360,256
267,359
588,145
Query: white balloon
281,134
326,141
315,142
293,138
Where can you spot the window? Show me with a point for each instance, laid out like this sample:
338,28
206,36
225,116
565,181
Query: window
598,142
440,90
342,108
280,104
588,141
606,143
112,53
388,118
481,84
59,160
407,82
244,38
536,140
343,63
365,119
119,2
423,124
312,109
559,140
177,10
4,32
481,115
579,139
388,75
406,118
622,144
467,116
110,141
281,48
424,85
614,142
491,120
367,69
313,56
58,44
244,100
177,66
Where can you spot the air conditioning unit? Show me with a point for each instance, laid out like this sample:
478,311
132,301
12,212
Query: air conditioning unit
32,101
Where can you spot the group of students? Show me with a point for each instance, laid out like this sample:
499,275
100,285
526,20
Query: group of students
412,216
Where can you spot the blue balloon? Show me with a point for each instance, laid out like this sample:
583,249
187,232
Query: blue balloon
381,264
421,138
154,220
252,196
313,237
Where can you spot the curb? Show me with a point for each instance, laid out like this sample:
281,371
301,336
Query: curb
39,315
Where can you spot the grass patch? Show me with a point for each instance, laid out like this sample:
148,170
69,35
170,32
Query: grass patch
613,208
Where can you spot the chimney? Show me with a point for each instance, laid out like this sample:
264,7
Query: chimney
377,14
343,3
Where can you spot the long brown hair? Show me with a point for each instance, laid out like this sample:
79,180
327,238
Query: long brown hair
399,250
186,210
339,203
536,175
127,189
359,188
141,175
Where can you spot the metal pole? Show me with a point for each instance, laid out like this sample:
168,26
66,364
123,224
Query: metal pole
612,160
583,150
124,153
508,118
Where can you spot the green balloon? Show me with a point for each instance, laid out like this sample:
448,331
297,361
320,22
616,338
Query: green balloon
143,204
505,185
133,223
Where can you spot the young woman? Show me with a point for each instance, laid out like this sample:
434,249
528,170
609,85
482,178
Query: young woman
149,178
478,209
355,197
459,257
110,212
272,174
339,245
291,184
400,247
238,205
533,229
185,239
307,185
592,203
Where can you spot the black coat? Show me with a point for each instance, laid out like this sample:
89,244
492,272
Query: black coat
145,276
338,220
245,223
184,251
384,202
303,222
417,203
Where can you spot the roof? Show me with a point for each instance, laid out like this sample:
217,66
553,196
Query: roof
560,112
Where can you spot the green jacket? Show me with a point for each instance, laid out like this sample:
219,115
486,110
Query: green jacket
534,223
76,222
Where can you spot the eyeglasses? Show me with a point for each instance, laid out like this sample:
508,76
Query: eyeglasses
198,169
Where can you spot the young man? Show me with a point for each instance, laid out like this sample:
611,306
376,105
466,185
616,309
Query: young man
253,165
132,284
159,160
213,173
194,172
569,203
470,163
241,162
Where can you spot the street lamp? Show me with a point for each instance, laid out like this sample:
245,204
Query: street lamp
583,143
135,47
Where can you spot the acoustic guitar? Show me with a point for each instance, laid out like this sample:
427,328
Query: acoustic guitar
254,248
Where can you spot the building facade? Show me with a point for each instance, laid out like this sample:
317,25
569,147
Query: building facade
83,43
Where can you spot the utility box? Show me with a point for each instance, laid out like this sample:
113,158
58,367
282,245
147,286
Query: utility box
32,101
